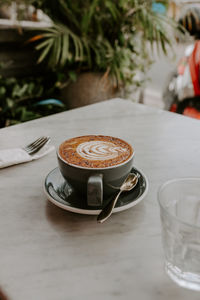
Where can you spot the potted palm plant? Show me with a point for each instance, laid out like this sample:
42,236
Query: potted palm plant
105,37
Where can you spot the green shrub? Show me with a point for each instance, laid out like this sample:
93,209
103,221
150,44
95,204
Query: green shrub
20,99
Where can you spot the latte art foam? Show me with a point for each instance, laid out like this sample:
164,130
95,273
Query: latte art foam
99,150
95,151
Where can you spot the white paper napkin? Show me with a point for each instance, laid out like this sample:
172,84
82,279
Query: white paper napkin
13,156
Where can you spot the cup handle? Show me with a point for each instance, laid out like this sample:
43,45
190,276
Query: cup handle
95,190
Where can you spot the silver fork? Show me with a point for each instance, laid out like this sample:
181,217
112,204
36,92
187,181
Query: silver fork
35,146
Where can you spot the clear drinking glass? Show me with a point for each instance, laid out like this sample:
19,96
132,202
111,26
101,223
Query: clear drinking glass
179,201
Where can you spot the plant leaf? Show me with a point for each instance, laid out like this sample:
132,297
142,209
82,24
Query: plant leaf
44,53
65,49
44,43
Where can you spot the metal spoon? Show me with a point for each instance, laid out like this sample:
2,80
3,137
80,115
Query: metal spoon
129,183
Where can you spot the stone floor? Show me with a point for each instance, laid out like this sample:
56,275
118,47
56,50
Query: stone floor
158,75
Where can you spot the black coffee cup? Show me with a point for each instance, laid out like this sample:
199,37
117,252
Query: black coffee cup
96,184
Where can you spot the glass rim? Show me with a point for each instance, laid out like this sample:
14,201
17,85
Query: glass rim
168,182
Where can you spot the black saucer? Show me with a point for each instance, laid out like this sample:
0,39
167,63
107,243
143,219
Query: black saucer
62,194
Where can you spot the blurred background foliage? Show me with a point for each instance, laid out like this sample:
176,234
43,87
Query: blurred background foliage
102,36
111,37
22,99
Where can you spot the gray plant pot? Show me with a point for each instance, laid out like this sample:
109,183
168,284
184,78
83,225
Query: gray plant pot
89,88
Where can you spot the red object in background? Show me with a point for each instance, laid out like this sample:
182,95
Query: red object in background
188,111
173,108
191,112
194,63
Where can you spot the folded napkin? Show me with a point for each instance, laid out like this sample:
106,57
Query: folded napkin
15,156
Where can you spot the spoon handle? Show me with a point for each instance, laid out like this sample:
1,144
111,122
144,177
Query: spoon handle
107,210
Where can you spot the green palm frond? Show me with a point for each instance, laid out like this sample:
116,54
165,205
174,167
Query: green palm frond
58,43
96,34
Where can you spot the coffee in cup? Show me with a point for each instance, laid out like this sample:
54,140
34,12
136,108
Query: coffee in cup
95,165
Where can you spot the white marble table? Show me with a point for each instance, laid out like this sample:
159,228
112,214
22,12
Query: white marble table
47,253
